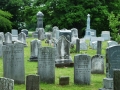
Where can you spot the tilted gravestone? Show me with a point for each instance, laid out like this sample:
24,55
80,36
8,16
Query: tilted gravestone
32,82
112,60
22,38
35,44
97,64
82,69
8,38
6,83
46,64
63,52
13,62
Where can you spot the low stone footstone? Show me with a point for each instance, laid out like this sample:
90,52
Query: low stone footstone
32,82
6,83
64,80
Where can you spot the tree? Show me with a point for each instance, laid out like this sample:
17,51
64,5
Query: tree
5,23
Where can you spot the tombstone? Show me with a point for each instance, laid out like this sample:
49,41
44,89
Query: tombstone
112,60
14,34
116,79
83,46
35,44
41,34
46,64
63,52
93,39
6,83
77,45
2,35
48,35
106,35
94,45
97,64
54,29
8,38
82,69
13,62
64,80
112,43
99,47
1,44
32,82
22,38
93,33
74,35
25,31
66,33
40,19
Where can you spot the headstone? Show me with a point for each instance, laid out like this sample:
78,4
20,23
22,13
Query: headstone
112,43
13,62
1,44
97,64
35,45
116,79
46,64
32,82
106,35
64,80
14,34
74,32
112,60
82,69
2,35
77,45
25,31
93,33
41,34
94,45
54,29
48,35
6,83
99,47
22,38
63,52
83,46
8,38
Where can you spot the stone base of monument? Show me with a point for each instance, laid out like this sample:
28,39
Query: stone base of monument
107,84
33,59
64,63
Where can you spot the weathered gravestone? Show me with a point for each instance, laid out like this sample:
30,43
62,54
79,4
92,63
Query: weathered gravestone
32,82
8,38
41,34
99,47
25,31
83,46
106,35
6,83
2,35
63,52
77,45
64,80
35,44
74,35
54,32
22,38
46,64
82,69
116,79
97,64
1,44
112,60
13,62
14,34
40,19
112,43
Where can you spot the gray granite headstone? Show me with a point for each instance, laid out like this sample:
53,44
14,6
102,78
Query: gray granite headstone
1,44
35,44
82,69
106,35
97,64
8,38
83,46
112,60
32,82
74,35
112,43
25,31
63,52
54,29
93,33
2,35
13,62
6,83
77,45
14,33
41,33
46,64
99,47
22,38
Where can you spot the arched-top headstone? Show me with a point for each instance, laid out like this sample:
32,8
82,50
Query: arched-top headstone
22,38
8,38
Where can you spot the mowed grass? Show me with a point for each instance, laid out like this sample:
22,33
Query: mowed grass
31,68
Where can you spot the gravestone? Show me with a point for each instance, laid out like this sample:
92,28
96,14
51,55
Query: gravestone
46,64
93,33
82,69
112,60
94,45
63,52
14,34
116,79
8,38
13,62
99,47
22,38
97,64
106,35
54,32
64,80
35,44
32,82
40,19
74,35
2,35
112,43
6,83
77,45
41,34
1,44
25,31
83,46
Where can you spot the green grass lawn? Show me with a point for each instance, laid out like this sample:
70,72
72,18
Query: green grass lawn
31,68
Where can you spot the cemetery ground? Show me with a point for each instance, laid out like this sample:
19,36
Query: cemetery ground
31,68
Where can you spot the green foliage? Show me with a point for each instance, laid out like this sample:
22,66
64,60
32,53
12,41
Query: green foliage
48,28
5,23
